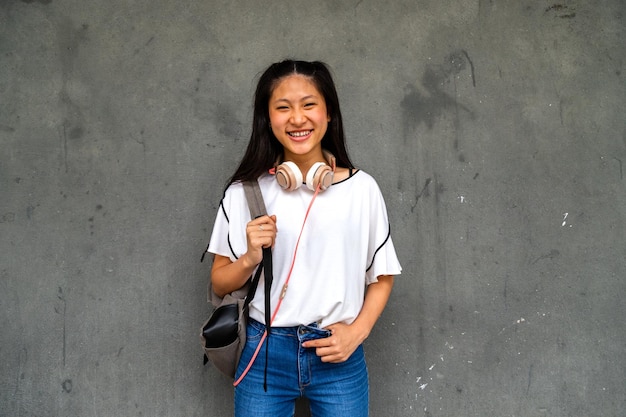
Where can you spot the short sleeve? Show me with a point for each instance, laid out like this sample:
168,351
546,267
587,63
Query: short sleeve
382,257
229,234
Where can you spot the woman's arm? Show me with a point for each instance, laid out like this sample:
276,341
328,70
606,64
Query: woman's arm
228,276
347,338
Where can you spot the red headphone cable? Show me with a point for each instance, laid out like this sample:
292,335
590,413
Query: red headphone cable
282,293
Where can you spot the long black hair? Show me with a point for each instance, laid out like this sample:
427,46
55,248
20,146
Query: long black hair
264,149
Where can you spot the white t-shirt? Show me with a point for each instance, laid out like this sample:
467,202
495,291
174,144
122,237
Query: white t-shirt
345,245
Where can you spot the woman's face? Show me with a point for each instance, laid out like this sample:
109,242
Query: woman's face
298,117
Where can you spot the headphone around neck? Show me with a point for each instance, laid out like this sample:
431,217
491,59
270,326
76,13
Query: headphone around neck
290,178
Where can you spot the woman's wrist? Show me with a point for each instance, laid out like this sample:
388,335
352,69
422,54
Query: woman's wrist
362,328
246,263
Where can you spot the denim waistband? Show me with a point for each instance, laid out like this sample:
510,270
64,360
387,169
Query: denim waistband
312,328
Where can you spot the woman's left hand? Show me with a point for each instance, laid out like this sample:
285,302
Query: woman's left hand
345,339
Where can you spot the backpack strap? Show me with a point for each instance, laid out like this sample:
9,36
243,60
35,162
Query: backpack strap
254,198
258,209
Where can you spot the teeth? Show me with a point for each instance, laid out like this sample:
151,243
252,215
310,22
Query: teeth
300,134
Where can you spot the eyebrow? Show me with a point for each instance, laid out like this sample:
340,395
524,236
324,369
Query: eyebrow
305,98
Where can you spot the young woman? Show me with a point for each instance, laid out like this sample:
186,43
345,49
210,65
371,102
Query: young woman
330,238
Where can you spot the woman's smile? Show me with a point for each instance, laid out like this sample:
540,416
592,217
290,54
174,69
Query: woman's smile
301,135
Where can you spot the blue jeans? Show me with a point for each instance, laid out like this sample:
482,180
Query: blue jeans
333,389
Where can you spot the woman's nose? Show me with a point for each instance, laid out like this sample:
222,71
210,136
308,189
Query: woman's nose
298,116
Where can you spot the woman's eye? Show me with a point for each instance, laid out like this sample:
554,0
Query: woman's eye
309,105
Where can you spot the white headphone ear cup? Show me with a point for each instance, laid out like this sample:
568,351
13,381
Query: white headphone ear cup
319,174
326,176
288,176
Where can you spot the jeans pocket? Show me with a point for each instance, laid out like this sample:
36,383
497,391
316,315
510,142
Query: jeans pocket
254,331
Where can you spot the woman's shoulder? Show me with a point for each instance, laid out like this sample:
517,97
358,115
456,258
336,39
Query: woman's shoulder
233,195
236,189
237,186
233,188
355,176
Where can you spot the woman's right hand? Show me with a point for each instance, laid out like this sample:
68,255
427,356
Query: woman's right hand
228,276
260,233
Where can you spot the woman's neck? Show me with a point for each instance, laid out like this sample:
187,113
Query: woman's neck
305,162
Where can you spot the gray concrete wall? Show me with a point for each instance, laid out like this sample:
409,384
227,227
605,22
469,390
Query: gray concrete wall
497,133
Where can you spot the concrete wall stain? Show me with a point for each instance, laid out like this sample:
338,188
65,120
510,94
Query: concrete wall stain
561,11
426,103
37,1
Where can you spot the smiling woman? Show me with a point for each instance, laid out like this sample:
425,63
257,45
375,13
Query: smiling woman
343,274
